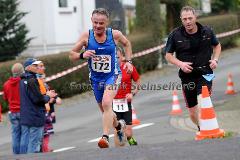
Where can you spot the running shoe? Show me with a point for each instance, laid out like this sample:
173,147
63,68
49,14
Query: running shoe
103,143
132,142
121,134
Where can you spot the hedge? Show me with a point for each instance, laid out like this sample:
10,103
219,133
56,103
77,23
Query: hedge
223,23
142,42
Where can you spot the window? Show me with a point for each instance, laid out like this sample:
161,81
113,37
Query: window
63,3
64,7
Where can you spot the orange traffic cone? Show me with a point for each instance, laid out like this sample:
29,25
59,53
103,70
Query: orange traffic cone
208,122
230,89
176,109
135,120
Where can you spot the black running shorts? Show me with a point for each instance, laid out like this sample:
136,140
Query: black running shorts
126,116
192,87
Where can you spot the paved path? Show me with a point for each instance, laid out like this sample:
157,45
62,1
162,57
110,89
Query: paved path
79,121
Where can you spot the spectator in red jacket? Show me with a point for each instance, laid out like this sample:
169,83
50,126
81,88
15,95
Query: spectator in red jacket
11,95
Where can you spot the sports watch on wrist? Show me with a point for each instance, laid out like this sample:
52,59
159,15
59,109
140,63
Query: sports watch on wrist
129,61
81,54
216,60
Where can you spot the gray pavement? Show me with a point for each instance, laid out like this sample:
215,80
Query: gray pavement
79,121
217,149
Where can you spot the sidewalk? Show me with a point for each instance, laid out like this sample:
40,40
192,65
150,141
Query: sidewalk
227,113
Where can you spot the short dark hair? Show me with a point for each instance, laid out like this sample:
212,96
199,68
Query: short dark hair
102,11
188,8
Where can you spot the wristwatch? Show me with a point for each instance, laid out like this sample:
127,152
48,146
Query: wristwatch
129,61
216,60
81,54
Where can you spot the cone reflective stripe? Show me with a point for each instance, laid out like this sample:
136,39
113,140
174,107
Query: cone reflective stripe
135,120
230,85
176,109
209,127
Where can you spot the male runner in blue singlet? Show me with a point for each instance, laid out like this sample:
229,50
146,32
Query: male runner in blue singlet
105,74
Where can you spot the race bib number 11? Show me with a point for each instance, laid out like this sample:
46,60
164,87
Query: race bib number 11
120,105
101,63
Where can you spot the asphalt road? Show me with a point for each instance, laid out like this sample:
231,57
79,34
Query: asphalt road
79,124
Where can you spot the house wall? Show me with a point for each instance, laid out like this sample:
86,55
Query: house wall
55,29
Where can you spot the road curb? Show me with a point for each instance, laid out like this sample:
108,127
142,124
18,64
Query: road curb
227,120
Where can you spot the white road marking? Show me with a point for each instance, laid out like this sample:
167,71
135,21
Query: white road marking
135,127
63,149
97,139
143,125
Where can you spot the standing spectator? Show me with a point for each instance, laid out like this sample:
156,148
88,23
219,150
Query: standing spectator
32,104
12,96
50,116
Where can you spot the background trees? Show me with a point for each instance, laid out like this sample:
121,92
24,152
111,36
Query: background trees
12,32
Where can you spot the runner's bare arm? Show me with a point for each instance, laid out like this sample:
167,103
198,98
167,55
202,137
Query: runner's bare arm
137,88
185,66
217,51
173,60
119,37
215,57
136,84
82,42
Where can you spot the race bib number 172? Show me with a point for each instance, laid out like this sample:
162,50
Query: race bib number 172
101,63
